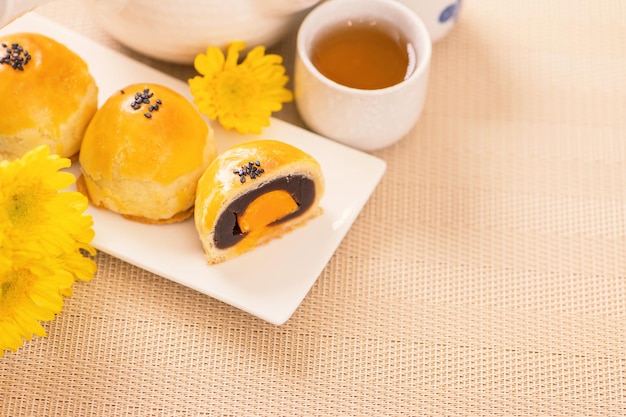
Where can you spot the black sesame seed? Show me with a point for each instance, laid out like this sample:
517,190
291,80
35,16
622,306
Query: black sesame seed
148,115
16,56
143,97
251,169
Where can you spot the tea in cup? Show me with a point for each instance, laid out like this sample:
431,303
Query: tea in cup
361,71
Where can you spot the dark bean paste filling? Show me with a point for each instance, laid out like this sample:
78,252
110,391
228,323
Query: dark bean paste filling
301,189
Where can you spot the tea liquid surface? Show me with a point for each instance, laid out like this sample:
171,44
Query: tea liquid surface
364,55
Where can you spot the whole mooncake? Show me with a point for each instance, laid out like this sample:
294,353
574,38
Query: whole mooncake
48,96
143,154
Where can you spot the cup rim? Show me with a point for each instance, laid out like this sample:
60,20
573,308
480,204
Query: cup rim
424,53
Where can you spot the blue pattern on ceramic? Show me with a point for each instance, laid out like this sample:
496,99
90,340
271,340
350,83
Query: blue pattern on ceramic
450,12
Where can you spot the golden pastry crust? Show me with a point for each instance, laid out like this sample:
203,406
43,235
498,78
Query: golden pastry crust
221,185
143,153
48,96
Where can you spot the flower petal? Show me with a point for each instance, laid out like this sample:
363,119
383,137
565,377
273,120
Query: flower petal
232,57
210,63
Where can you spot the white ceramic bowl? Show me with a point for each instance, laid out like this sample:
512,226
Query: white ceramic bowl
177,30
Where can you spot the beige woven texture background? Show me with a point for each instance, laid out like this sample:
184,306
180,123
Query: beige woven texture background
485,276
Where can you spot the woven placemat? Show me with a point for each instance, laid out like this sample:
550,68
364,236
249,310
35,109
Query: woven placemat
485,276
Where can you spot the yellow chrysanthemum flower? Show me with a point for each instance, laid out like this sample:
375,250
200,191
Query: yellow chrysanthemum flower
44,236
240,96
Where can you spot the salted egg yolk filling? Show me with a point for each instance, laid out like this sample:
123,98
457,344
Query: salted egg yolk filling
266,209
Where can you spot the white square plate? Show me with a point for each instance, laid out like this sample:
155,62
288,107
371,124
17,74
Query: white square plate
269,282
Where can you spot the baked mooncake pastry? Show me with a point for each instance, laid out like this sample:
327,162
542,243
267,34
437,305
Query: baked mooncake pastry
48,96
143,153
253,193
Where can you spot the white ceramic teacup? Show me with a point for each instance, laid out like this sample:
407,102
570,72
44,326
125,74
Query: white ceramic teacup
363,119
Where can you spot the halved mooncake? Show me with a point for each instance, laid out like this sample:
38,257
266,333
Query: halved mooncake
253,193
